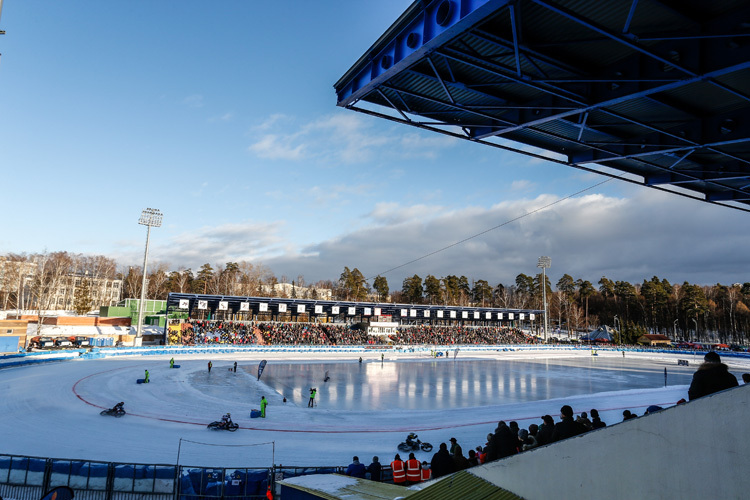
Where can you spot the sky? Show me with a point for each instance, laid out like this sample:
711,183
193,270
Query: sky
224,117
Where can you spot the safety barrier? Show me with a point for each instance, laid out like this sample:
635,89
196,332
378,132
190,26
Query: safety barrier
27,478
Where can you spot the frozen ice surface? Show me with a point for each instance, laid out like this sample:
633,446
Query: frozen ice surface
52,410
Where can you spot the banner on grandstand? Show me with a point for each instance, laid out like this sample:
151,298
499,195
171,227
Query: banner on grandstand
532,316
184,303
453,314
244,306
488,316
412,313
404,312
368,311
465,314
440,314
318,309
261,366
223,305
335,310
377,311
202,304
282,308
521,316
300,308
476,314
426,313
263,307
499,315
510,316
352,311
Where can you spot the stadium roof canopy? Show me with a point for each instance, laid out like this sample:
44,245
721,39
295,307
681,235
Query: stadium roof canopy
656,92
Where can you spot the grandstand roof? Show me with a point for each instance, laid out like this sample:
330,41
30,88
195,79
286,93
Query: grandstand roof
238,304
656,92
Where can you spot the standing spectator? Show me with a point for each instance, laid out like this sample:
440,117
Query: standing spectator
235,367
209,366
544,436
596,422
712,376
356,469
263,404
399,473
566,427
375,469
171,363
145,380
442,463
413,470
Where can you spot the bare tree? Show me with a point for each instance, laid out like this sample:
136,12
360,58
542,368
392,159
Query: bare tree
51,271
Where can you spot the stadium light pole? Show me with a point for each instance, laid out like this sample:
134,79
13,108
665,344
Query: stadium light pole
545,263
150,217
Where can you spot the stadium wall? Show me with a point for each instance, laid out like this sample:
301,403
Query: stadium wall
693,450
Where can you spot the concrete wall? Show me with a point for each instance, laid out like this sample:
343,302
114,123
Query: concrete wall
695,450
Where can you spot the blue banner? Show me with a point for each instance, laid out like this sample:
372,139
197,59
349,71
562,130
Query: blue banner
260,368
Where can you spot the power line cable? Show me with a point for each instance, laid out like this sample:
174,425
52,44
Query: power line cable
536,210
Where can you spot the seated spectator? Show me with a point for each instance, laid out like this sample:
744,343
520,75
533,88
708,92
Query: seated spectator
584,421
712,376
626,415
375,469
746,378
596,422
544,436
460,460
566,427
531,438
473,458
356,469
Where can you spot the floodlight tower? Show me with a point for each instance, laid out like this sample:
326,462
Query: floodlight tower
545,263
150,217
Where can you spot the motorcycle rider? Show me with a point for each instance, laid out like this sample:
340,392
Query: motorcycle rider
226,420
412,440
119,407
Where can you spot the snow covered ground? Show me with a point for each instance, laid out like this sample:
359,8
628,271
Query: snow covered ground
52,410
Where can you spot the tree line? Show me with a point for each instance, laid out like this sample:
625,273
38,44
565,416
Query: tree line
689,311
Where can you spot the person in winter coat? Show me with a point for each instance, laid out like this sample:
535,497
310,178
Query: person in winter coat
442,464
503,444
399,471
145,380
583,419
356,469
712,376
460,460
375,469
596,422
566,427
544,435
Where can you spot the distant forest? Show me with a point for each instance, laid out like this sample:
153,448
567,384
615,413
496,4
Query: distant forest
717,313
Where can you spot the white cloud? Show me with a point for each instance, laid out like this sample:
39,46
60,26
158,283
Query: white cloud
341,138
194,101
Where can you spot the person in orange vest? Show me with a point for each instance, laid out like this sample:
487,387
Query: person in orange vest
399,473
426,472
413,470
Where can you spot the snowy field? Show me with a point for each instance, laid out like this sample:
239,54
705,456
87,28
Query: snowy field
365,409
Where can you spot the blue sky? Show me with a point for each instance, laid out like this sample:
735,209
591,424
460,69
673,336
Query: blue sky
222,115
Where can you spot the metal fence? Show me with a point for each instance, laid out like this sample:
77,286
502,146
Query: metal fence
28,478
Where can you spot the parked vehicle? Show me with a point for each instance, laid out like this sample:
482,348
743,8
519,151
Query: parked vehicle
63,342
41,342
80,341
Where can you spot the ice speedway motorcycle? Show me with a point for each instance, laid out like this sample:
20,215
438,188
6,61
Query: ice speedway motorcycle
117,411
225,424
413,443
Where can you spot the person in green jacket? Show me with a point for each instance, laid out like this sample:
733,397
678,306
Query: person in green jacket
263,404
171,363
311,402
145,381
